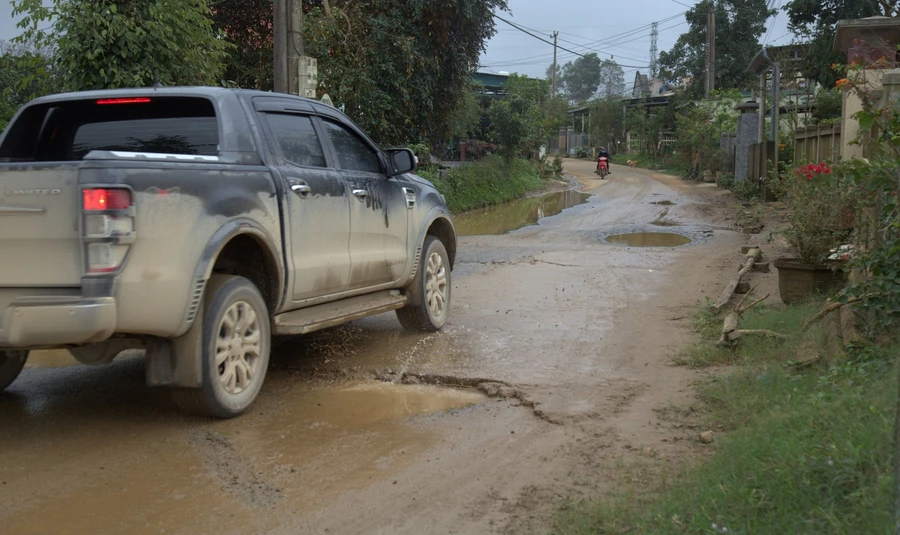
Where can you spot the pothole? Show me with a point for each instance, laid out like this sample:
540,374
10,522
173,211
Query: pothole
649,239
664,203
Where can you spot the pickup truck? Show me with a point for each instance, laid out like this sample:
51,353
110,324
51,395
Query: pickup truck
196,223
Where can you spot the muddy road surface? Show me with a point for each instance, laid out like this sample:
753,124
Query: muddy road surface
557,356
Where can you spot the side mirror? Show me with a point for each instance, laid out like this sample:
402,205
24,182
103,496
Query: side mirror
401,161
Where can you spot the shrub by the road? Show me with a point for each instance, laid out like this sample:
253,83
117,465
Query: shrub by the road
493,180
798,451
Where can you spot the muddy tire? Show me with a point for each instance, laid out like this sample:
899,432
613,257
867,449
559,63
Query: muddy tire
11,364
236,346
429,293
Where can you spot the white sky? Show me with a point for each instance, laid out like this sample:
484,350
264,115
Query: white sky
611,28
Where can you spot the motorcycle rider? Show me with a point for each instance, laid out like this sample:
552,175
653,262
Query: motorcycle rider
604,154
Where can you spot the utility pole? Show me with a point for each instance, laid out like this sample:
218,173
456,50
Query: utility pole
711,48
279,41
295,44
553,92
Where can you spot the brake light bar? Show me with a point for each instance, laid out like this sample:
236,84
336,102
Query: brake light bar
106,199
129,100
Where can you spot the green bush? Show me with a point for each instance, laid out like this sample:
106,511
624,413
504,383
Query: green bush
493,180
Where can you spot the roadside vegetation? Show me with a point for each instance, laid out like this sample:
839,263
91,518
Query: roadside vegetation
491,181
804,445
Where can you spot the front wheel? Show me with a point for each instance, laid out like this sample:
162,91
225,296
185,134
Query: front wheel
11,364
235,351
429,293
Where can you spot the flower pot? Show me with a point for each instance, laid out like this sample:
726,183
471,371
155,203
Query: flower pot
798,281
709,176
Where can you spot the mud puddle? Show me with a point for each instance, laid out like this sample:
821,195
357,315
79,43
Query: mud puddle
296,451
649,239
515,215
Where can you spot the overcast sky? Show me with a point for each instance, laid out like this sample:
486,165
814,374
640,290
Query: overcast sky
618,29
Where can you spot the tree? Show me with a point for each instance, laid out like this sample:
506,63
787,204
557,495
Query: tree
582,77
560,78
25,73
400,68
608,123
247,24
122,43
739,24
522,121
612,79
815,20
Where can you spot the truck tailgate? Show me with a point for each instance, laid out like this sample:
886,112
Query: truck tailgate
40,243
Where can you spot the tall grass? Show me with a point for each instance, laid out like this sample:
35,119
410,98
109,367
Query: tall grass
491,181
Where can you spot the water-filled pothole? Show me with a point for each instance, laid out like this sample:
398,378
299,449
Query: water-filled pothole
515,215
649,239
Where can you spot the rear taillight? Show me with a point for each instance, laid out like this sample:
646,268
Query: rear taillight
98,199
108,227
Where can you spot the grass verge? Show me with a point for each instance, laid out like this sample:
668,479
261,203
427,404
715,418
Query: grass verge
804,452
491,181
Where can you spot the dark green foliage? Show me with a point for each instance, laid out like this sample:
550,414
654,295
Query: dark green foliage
25,73
120,43
400,68
739,24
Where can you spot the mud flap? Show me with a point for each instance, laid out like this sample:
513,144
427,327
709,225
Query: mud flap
177,362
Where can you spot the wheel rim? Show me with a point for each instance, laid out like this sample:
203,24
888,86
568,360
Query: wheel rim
436,286
238,347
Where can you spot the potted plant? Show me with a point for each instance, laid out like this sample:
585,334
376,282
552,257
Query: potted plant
819,200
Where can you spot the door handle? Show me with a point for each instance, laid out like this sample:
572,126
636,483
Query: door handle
302,190
361,193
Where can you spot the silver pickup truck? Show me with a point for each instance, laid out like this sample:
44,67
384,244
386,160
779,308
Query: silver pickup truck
195,223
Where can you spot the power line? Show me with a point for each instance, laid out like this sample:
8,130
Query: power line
534,60
539,38
774,19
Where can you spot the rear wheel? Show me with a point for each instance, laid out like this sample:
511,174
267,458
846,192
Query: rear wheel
236,345
11,364
429,293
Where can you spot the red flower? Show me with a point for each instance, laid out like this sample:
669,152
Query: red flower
809,176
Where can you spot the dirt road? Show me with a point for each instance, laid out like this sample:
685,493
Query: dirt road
573,334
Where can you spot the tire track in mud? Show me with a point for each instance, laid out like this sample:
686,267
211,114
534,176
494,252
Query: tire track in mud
234,471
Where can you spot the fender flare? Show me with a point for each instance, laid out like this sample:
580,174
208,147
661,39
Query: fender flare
434,214
218,241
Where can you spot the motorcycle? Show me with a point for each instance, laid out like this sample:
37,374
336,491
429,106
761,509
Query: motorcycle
602,167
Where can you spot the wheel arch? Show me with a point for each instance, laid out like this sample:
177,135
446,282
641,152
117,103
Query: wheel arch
442,228
241,248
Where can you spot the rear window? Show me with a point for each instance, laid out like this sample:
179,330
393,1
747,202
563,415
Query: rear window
67,131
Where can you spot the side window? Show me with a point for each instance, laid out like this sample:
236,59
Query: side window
352,153
297,139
